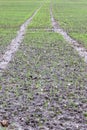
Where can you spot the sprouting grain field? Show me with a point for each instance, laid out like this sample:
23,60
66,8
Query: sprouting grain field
45,84
12,15
42,20
72,17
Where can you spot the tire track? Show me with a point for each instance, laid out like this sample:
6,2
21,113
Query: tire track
81,50
15,43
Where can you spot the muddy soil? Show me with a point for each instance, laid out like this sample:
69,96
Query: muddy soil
45,88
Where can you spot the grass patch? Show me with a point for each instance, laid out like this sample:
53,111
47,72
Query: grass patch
1,128
85,114
71,16
12,15
42,19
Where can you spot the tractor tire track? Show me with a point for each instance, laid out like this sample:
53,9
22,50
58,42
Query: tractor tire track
15,43
81,50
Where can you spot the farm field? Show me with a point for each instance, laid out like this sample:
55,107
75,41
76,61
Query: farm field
44,87
72,16
12,15
42,19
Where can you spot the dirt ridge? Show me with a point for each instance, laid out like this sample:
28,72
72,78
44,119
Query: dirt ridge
15,43
81,50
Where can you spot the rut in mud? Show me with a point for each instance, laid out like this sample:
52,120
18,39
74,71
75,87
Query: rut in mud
14,45
81,50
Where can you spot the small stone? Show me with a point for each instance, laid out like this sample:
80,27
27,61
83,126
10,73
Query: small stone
4,123
69,84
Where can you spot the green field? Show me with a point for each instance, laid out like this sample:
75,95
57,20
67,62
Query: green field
42,19
72,16
45,85
12,15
